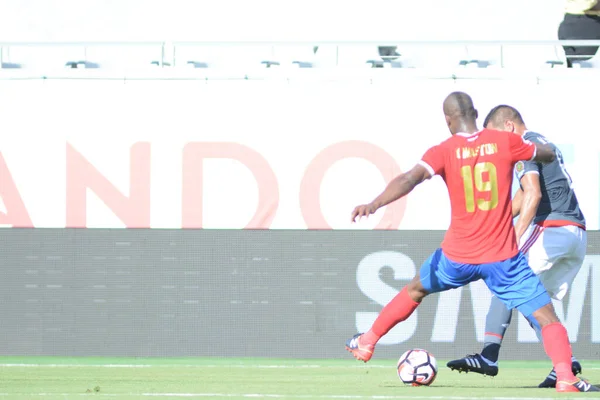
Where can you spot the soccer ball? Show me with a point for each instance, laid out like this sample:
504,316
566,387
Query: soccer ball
417,367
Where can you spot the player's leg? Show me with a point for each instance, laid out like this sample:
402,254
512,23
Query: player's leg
558,260
518,287
362,345
436,274
499,316
557,346
557,280
486,363
496,322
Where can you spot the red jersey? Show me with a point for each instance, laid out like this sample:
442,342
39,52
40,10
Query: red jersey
478,171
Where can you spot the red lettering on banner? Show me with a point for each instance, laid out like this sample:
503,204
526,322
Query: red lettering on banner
16,213
134,210
310,188
193,161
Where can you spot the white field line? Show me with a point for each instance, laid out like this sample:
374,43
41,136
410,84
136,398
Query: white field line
341,396
78,365
276,396
197,366
244,366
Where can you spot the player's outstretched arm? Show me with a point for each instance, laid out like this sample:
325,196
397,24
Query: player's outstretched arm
532,195
399,187
544,153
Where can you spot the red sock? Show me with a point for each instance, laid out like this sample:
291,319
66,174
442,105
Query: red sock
397,310
558,348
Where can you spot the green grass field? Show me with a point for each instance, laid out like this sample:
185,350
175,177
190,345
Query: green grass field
54,378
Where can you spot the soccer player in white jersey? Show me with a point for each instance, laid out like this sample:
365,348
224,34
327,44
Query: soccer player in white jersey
551,234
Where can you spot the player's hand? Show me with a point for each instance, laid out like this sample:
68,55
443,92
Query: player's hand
363,211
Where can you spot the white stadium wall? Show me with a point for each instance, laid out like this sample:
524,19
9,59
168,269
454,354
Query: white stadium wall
189,20
276,153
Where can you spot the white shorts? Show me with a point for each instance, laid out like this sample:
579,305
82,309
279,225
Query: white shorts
555,254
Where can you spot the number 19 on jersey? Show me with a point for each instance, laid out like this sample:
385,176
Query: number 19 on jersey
481,179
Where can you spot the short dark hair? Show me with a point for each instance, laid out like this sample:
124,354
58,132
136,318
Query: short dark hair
460,104
502,113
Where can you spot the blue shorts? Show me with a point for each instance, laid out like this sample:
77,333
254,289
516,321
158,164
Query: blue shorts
512,280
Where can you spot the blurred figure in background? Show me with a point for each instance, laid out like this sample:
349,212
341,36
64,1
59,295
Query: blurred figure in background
581,22
389,52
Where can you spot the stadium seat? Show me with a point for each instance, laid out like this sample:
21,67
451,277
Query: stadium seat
388,57
474,63
226,57
363,56
244,57
196,64
46,57
481,57
533,57
295,56
10,65
123,57
593,62
80,64
159,64
324,56
430,57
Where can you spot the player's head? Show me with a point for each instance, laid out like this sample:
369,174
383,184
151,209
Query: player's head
505,118
460,113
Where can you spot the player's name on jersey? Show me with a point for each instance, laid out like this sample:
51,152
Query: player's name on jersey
481,150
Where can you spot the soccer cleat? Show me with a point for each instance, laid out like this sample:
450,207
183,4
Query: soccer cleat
579,386
360,351
550,381
474,363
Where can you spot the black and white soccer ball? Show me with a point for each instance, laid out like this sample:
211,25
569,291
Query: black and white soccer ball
417,367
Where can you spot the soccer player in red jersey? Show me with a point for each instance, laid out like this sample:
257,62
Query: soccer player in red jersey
477,167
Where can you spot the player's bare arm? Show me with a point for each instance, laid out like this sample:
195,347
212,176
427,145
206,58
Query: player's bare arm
399,187
516,203
532,195
544,153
